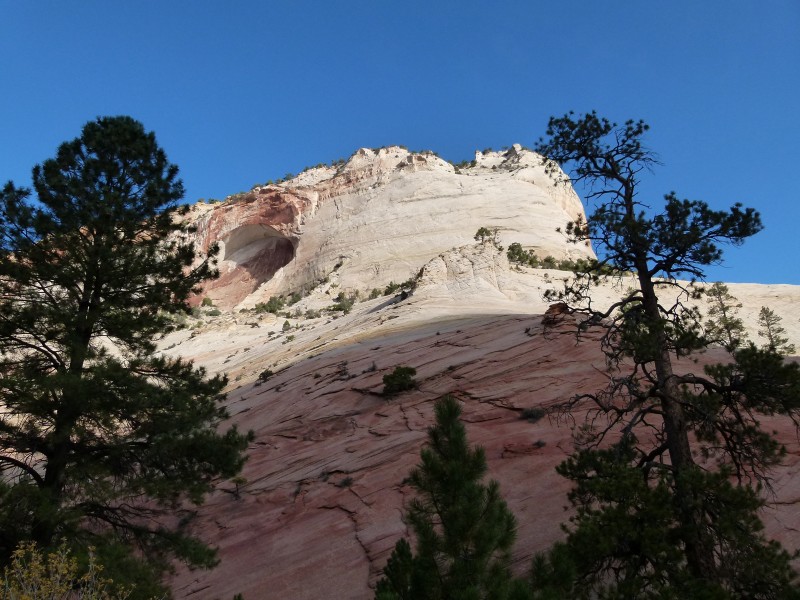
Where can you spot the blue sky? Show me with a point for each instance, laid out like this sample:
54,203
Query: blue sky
245,91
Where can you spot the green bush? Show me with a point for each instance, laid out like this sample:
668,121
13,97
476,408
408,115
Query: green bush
34,574
410,283
295,298
399,380
207,302
344,302
548,262
533,414
391,288
273,305
485,234
517,254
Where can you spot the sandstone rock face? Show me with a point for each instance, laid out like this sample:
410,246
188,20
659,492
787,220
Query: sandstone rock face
378,218
321,509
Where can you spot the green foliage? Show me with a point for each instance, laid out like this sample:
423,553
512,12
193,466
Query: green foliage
375,293
344,302
650,522
274,305
214,312
207,302
484,234
391,288
35,575
548,262
533,414
265,375
724,325
102,442
399,380
463,528
517,254
294,298
771,329
409,284
627,539
286,326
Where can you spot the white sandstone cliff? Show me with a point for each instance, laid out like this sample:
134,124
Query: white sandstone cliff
379,218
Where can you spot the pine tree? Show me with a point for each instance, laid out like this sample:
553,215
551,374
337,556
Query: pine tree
772,330
102,441
463,528
724,325
663,476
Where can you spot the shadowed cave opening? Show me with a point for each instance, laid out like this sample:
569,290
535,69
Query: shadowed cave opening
259,249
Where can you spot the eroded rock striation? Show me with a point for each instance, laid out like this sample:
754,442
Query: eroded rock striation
321,509
383,214
321,506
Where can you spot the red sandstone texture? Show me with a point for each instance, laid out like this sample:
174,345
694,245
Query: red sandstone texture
257,233
322,507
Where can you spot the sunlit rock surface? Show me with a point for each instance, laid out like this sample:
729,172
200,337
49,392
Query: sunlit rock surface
378,218
321,509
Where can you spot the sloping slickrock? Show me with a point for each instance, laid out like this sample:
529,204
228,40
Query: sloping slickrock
382,216
322,507
321,510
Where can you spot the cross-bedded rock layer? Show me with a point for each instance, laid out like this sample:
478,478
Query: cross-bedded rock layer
382,216
321,509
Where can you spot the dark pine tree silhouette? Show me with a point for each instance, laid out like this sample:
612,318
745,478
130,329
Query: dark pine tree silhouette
102,442
670,463
462,527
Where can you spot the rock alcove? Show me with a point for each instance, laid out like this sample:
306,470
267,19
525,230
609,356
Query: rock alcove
252,254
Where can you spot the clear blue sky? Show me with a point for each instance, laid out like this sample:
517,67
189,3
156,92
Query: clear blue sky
240,92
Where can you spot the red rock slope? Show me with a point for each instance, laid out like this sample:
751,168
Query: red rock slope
322,506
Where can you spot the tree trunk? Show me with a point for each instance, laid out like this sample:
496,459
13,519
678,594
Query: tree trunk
57,453
699,553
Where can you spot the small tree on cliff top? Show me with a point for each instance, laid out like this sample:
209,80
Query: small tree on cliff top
657,516
101,441
463,528
724,325
771,329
